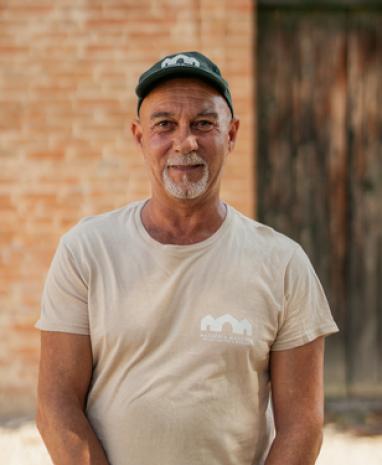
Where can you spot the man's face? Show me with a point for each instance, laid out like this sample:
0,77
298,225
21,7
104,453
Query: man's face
185,131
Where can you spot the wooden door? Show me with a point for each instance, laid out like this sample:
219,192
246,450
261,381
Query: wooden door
319,165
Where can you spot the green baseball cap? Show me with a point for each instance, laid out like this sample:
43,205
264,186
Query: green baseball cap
187,64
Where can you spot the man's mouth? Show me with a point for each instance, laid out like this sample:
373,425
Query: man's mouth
186,167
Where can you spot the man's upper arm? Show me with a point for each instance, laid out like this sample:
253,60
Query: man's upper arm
297,385
65,370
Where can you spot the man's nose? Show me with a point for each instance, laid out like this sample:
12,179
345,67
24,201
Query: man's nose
185,142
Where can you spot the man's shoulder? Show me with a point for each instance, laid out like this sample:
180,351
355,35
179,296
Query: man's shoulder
103,225
264,236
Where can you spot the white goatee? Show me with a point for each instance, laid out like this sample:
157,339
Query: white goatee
186,189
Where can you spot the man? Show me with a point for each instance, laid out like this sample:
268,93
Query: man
167,321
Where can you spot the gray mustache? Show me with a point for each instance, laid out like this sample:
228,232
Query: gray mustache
186,160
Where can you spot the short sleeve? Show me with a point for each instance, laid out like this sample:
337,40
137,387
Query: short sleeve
64,303
306,314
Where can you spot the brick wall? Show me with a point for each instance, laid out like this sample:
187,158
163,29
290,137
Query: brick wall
67,75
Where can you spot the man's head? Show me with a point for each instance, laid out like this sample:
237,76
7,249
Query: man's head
185,129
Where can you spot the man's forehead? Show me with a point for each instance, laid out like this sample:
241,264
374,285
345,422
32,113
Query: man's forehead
162,113
175,95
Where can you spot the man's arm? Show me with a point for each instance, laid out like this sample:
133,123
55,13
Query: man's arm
64,377
297,394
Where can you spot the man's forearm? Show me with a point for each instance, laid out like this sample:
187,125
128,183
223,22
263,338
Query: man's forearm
295,447
69,437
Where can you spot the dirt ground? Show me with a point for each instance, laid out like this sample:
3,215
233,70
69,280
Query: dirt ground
359,444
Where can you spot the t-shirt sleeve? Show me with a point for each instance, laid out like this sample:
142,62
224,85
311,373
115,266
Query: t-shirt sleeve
64,303
306,314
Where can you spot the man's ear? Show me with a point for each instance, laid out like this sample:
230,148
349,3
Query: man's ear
232,133
136,129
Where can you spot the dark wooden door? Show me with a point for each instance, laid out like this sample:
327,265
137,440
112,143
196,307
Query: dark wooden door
319,165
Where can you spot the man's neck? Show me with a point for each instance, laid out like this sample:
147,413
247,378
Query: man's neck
182,222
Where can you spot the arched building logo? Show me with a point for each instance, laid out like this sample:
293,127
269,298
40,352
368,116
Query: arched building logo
180,60
211,329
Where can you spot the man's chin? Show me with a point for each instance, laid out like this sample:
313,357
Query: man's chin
185,191
186,194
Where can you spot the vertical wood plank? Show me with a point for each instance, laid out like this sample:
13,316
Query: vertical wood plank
365,143
302,152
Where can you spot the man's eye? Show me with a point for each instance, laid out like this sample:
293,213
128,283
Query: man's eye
164,124
203,124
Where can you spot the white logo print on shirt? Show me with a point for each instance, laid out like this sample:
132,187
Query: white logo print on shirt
212,330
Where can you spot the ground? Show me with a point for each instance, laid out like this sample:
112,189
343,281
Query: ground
345,443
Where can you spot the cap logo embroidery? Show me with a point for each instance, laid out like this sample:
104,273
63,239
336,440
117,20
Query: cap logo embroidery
180,60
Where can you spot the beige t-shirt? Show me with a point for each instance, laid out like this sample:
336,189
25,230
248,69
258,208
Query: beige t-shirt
181,334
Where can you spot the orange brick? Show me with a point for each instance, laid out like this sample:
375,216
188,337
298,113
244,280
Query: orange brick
47,155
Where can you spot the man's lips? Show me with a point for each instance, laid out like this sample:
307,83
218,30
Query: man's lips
186,167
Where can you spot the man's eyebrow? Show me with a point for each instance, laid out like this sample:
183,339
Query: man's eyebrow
161,114
208,113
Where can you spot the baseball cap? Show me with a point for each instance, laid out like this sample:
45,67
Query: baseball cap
187,64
